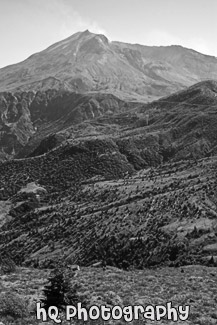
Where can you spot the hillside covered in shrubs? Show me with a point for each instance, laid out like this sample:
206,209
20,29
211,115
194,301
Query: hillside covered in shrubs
131,189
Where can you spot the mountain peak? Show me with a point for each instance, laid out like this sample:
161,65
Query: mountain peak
86,32
87,61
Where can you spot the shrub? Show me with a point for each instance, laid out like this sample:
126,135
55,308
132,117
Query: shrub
7,265
13,305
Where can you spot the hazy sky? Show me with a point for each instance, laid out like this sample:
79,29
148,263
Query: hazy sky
29,26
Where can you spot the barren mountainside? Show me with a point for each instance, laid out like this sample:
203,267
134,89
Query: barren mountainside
87,62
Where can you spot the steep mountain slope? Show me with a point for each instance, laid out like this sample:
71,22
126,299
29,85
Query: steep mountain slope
181,126
89,62
186,121
134,188
27,117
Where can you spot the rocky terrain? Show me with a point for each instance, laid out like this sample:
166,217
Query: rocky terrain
87,62
92,174
179,126
28,117
139,184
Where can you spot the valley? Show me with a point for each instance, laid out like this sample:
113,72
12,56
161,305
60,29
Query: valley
108,160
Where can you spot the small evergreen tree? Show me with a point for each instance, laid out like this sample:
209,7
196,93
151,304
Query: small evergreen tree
59,292
54,291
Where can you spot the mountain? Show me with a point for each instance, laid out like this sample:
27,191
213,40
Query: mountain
133,188
93,174
87,62
28,117
179,126
94,177
185,122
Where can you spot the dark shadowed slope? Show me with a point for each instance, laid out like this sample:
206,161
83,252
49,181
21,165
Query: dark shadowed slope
186,122
28,117
181,126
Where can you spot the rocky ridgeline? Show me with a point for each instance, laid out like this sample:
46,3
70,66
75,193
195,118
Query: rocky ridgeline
181,126
90,62
27,117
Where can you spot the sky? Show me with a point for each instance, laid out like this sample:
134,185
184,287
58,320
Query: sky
30,26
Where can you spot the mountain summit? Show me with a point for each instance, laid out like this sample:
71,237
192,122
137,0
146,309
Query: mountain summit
88,62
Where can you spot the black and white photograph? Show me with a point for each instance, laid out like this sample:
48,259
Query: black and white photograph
108,162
